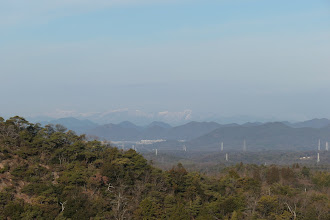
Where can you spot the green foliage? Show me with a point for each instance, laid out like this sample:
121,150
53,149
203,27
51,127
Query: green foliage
234,216
20,171
231,204
283,190
267,205
74,175
44,193
51,173
148,210
321,179
79,207
5,169
305,171
13,210
287,174
273,175
249,184
177,177
284,216
178,212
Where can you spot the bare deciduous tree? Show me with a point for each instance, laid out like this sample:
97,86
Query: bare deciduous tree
63,205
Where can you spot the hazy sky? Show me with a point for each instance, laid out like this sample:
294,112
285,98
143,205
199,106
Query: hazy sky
267,58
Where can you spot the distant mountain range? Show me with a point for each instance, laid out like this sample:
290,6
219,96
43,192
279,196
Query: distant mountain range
119,115
155,130
209,135
140,117
269,136
79,126
314,123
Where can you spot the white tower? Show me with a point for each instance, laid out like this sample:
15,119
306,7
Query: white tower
327,146
318,157
244,145
226,157
319,147
156,152
221,146
133,147
184,148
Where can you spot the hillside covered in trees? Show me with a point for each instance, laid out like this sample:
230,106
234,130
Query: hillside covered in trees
51,173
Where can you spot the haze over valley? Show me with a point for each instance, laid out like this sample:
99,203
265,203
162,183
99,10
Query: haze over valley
164,109
205,138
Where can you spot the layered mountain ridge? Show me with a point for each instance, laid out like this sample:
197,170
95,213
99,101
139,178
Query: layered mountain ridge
209,135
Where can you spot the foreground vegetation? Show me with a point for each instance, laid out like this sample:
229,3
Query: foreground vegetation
50,173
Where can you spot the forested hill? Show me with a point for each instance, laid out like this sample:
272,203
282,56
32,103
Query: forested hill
50,173
268,136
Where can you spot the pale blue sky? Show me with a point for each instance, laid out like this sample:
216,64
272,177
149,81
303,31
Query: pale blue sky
246,57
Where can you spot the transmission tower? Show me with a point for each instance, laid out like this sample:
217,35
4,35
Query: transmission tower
156,151
327,146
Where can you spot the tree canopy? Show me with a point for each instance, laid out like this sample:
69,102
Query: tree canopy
51,173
